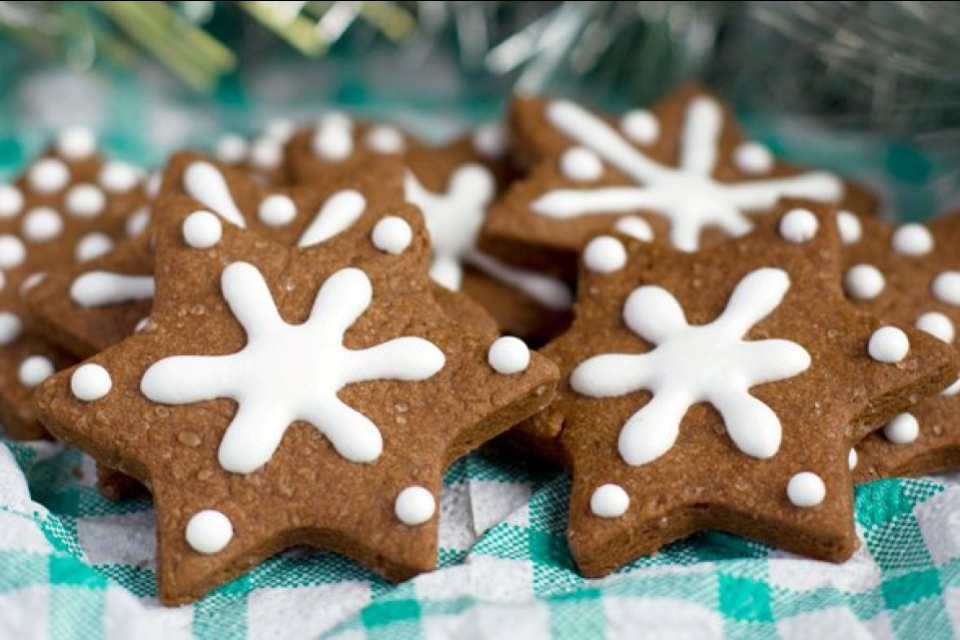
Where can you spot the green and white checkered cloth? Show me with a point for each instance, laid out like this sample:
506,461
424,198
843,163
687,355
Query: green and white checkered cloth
73,565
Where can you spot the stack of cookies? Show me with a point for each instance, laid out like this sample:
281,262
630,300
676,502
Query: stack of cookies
288,342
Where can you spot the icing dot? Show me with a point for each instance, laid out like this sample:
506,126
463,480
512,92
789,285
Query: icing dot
946,287
12,251
10,327
266,153
849,227
490,140
806,489
279,130
640,126
753,157
888,344
202,230
392,235
31,281
903,429
76,143
231,148
415,505
209,531
580,163
635,228
49,174
93,245
277,210
333,140
118,176
384,138
912,240
42,224
952,390
852,459
799,225
137,222
609,501
508,355
11,201
938,325
605,254
90,382
143,325
85,200
35,370
863,282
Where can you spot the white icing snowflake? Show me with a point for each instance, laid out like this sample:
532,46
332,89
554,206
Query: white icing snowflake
690,364
686,195
454,218
287,372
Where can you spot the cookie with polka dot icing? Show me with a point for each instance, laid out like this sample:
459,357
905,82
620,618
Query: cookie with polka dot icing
910,274
682,171
454,185
286,395
723,389
68,207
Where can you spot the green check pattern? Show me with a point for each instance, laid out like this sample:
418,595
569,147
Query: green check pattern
73,565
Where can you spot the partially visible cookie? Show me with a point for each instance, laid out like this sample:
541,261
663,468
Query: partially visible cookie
723,389
89,307
262,155
338,143
67,207
684,168
293,395
454,185
909,274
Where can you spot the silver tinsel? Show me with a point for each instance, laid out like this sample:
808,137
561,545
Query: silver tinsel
887,66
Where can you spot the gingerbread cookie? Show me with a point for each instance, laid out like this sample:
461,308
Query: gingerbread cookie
454,185
283,395
682,171
909,274
69,206
723,389
261,156
89,307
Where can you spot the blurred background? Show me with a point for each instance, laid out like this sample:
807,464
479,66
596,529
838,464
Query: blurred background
868,88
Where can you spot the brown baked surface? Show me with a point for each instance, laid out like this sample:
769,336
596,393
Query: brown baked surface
704,480
306,493
907,294
16,414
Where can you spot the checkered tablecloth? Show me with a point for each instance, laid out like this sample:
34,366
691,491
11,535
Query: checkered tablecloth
73,565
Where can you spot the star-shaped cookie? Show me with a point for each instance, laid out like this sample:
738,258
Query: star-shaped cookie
454,185
681,171
723,389
67,207
281,396
909,274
